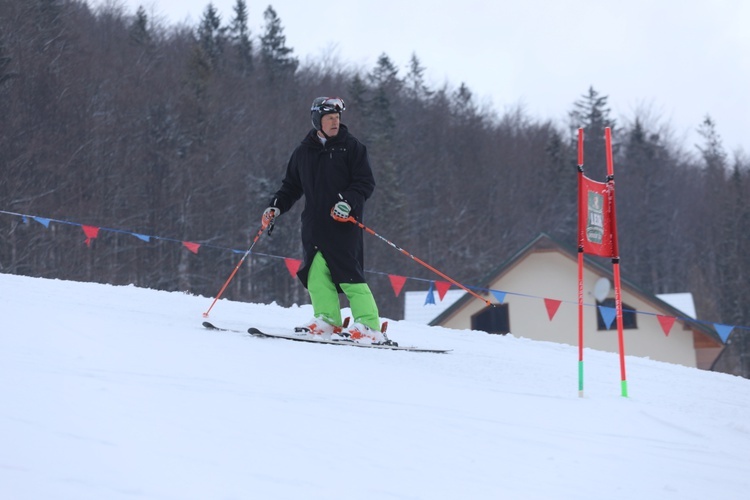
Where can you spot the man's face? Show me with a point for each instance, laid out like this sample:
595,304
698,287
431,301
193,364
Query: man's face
329,124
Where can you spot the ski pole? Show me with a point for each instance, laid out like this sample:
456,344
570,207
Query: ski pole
236,268
451,280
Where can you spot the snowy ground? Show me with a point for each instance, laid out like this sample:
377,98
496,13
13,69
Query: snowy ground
118,393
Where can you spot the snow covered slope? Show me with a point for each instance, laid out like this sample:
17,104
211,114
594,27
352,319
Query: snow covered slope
118,393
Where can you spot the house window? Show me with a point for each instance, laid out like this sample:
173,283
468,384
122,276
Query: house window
628,316
492,319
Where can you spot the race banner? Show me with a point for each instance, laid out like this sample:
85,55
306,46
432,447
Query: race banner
596,221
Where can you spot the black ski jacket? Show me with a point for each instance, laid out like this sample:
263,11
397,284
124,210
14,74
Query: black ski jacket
321,173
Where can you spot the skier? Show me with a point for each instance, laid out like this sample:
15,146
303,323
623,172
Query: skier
331,169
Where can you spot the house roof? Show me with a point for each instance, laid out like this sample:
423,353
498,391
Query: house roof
543,242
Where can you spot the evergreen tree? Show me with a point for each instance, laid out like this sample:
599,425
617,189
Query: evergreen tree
462,106
385,75
713,153
358,91
240,37
276,56
415,85
211,35
386,85
592,114
139,31
711,218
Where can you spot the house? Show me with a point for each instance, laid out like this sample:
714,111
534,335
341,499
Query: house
543,276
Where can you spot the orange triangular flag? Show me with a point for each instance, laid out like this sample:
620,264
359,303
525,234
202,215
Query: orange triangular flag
552,306
292,266
666,323
397,282
193,247
442,287
91,233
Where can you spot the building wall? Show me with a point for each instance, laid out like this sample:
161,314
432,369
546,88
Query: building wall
554,275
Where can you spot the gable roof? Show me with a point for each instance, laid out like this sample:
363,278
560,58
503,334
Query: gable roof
544,242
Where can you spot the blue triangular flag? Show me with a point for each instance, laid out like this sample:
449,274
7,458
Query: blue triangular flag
723,331
142,237
500,296
430,299
608,315
43,222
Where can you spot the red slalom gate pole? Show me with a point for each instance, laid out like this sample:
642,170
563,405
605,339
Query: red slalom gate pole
581,230
236,268
451,280
616,261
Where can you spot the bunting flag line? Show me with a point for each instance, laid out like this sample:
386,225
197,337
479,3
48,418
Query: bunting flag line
397,282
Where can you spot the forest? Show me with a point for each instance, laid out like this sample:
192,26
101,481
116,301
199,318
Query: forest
111,120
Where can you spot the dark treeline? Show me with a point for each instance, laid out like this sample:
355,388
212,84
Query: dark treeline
108,119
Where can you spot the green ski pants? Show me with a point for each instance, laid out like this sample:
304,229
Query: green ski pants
325,297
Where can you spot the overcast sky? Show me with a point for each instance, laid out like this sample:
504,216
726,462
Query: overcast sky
680,59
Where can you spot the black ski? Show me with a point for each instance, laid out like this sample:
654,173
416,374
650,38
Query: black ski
211,326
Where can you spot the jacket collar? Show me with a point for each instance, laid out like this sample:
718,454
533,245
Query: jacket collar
313,140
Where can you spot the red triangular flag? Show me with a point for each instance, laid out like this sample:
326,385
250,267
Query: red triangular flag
552,305
91,233
397,282
193,247
666,323
442,287
292,266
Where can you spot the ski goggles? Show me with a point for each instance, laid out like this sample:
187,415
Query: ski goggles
331,105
